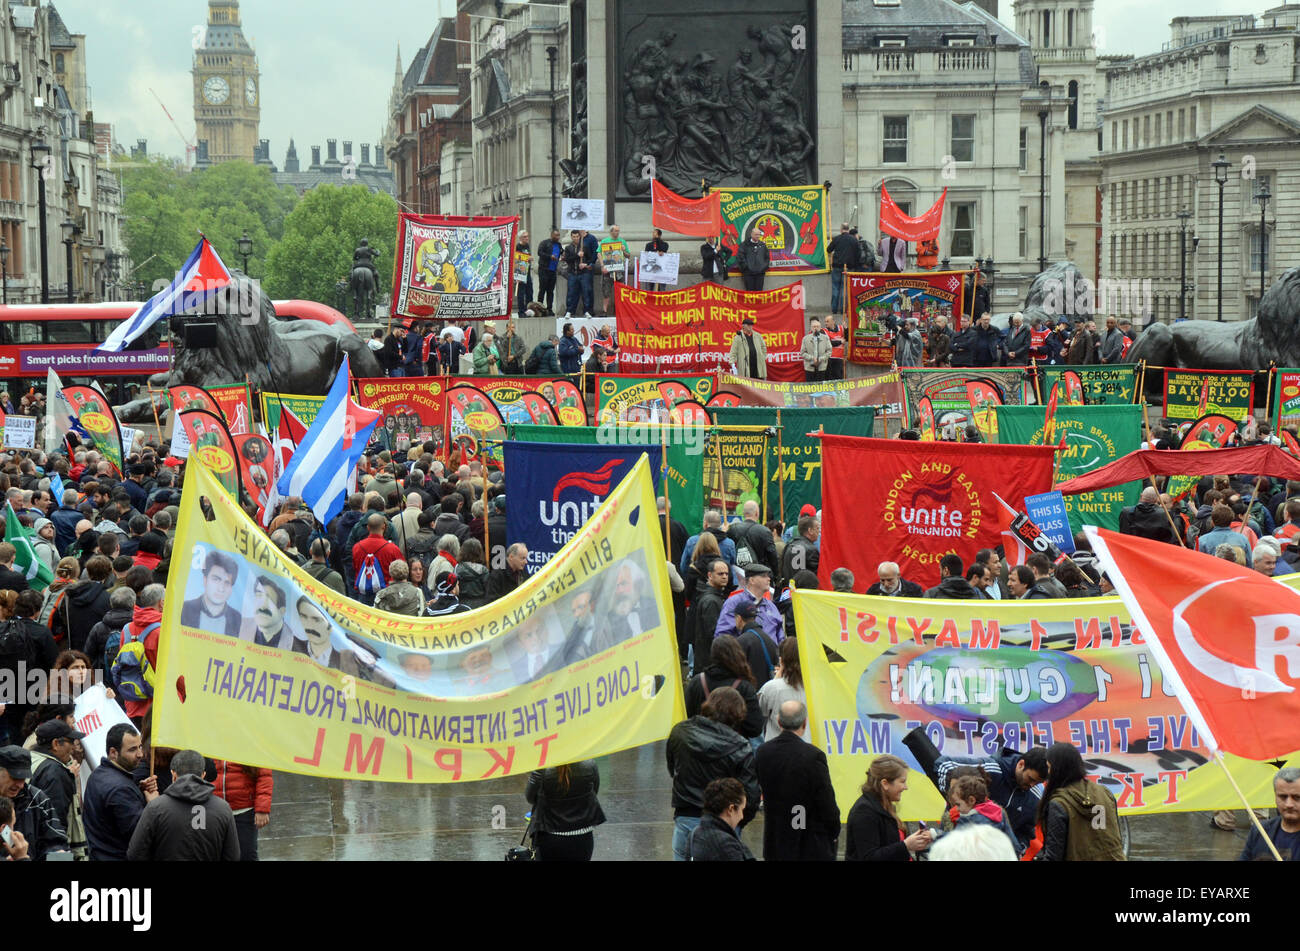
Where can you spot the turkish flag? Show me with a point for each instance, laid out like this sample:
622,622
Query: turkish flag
1227,639
697,217
913,502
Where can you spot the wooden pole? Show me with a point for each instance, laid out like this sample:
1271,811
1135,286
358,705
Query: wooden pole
663,481
765,482
1218,755
722,482
780,463
1268,393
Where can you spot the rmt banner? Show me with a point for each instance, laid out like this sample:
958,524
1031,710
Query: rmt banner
691,330
555,488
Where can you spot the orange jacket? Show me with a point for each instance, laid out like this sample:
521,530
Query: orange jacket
242,791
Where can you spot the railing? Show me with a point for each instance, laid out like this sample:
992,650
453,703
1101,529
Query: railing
1061,55
963,59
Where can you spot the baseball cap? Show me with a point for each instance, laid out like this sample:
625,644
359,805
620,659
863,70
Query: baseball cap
808,509
57,730
748,320
446,582
16,761
748,610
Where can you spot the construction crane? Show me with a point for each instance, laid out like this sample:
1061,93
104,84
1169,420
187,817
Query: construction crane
190,148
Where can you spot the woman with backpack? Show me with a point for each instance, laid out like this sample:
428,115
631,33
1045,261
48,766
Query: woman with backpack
727,668
786,685
55,608
1078,820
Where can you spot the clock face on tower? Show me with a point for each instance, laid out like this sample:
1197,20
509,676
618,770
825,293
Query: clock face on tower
216,90
250,92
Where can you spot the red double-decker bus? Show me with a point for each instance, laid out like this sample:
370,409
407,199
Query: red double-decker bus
36,337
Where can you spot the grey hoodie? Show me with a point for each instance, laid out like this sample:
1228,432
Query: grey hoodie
187,823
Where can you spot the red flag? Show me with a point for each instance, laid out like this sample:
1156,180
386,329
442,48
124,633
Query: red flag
1226,638
1073,388
905,228
914,502
697,217
1049,421
925,409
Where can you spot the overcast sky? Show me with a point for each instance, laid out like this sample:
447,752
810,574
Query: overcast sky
327,65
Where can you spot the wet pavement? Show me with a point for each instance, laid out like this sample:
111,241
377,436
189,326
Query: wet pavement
332,819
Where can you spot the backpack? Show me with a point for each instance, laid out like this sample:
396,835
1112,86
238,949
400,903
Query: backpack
15,650
473,587
133,675
533,364
370,579
744,553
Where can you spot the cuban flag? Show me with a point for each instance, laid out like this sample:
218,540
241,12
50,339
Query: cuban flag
319,470
199,279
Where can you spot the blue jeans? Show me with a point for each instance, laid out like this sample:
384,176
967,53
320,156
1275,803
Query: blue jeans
397,371
580,284
837,290
682,826
573,295
523,295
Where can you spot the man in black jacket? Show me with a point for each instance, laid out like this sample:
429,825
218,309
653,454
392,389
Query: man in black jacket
952,583
754,260
114,801
169,828
892,584
705,611
34,815
756,537
10,580
713,260
1147,519
801,553
715,839
844,254
55,774
803,819
501,581
658,245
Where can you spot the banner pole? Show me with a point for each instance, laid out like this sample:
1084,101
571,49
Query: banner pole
765,447
722,482
487,531
663,482
1268,391
1038,390
153,406
1218,756
780,464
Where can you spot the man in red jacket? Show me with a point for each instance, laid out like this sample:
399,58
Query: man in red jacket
385,552
248,791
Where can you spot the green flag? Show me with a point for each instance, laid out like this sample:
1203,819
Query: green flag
26,563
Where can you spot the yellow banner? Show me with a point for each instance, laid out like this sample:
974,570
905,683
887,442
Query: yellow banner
580,661
981,675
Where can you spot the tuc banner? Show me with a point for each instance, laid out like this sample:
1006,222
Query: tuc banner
1193,393
567,667
554,488
684,461
913,502
791,221
874,297
453,268
414,409
883,391
980,675
966,396
1094,436
1101,384
691,330
648,398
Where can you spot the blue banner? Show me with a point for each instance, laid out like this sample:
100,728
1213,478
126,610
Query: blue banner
552,489
1047,511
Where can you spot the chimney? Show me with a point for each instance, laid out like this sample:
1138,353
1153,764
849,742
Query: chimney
365,153
332,151
315,156
266,149
347,150
379,156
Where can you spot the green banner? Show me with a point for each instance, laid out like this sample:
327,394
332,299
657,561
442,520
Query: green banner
1190,394
791,221
685,457
304,407
795,458
1094,436
1101,384
967,395
647,399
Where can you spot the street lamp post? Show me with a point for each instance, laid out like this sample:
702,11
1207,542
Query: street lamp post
989,271
1046,89
551,53
1262,196
69,228
4,270
45,242
1182,262
245,250
1220,167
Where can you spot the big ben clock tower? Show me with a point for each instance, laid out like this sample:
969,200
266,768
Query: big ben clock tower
227,88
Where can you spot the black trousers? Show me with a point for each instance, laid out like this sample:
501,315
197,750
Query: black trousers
753,282
565,848
246,832
546,284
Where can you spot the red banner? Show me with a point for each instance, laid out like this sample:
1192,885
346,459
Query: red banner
236,405
210,440
691,330
696,217
914,502
905,228
414,411
256,468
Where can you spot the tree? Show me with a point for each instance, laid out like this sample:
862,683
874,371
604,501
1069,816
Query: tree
166,207
320,234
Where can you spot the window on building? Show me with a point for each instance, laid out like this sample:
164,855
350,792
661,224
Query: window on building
1191,122
892,42
1146,131
1072,116
1114,136
1124,140
1156,140
1256,256
1069,31
963,229
58,62
960,41
1182,124
1169,125
895,140
963,138
1024,148
1046,39
1024,231
1112,253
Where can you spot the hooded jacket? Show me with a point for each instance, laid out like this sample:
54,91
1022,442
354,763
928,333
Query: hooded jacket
1072,832
701,750
97,639
1146,520
86,605
548,361
448,523
1021,805
167,831
241,790
401,597
987,812
953,587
